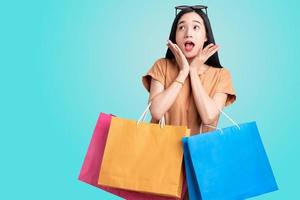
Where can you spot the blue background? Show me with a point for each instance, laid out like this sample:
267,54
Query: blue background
63,62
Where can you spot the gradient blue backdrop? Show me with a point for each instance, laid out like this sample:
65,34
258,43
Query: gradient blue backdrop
64,61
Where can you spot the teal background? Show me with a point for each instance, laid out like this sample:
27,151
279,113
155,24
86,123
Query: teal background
63,62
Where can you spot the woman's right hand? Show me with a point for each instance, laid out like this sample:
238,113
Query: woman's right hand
179,56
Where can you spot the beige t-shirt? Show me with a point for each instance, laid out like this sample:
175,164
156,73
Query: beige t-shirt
184,111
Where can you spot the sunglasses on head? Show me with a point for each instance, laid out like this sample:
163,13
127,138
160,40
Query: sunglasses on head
196,7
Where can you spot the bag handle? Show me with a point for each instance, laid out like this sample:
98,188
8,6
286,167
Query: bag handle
227,116
162,122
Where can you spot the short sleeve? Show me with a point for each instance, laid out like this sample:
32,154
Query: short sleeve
225,85
157,72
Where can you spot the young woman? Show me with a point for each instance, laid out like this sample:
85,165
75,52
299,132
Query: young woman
189,85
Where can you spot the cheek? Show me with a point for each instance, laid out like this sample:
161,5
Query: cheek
179,41
201,40
178,38
197,48
201,37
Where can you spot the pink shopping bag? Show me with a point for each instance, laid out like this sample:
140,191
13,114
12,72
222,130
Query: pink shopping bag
90,169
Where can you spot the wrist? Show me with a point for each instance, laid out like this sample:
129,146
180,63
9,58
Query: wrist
182,75
193,71
180,82
184,72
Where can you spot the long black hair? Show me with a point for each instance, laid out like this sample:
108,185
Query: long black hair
214,59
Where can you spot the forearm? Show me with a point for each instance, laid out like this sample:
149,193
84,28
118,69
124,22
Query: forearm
162,102
206,106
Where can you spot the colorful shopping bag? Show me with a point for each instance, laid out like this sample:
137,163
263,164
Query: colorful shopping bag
90,169
227,164
143,157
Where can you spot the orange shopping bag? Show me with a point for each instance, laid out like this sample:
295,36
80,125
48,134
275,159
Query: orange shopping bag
144,157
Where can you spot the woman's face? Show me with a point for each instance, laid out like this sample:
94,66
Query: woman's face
190,34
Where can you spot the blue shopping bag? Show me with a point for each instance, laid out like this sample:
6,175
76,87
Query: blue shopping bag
229,163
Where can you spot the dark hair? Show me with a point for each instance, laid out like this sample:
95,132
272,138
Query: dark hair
214,59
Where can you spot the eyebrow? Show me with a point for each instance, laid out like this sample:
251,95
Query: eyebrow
193,21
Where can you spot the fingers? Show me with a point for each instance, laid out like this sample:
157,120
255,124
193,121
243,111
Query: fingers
179,56
213,50
179,51
175,49
210,49
205,49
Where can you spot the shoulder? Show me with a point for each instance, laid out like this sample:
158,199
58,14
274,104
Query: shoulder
225,70
225,73
221,72
164,62
165,66
157,71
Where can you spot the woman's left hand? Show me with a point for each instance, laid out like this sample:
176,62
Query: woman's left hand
203,56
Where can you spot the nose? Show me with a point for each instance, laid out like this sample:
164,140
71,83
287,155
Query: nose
188,33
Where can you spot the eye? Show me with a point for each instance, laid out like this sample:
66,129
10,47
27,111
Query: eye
181,27
196,27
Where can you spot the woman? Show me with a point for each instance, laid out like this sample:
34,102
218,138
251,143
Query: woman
189,85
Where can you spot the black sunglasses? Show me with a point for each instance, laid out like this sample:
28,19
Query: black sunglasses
196,7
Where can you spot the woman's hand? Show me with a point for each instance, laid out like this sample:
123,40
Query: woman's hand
179,56
203,56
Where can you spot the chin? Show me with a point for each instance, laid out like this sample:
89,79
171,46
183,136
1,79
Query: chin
190,55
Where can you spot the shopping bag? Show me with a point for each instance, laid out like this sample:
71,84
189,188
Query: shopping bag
89,172
90,169
229,163
144,157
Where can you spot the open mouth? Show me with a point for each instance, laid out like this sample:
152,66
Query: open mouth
189,45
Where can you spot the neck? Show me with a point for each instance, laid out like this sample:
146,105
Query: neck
204,66
190,60
201,68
